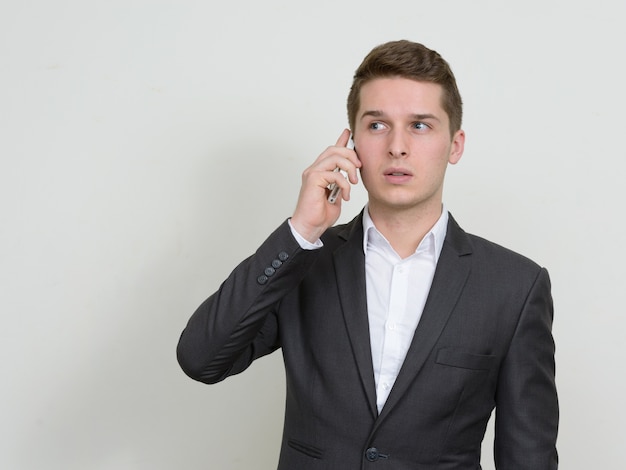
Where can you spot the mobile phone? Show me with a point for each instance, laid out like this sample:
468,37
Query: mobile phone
334,189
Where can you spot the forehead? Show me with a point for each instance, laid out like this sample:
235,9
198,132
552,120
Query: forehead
398,95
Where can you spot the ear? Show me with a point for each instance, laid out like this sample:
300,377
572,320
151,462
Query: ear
456,147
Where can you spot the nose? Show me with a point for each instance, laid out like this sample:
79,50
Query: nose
398,145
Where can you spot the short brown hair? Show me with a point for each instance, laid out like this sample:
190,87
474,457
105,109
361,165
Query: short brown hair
410,60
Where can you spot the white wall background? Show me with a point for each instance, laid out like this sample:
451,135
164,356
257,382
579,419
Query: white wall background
148,146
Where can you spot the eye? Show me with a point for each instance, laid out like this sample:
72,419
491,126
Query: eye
377,126
420,126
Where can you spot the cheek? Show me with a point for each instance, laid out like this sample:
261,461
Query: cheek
364,174
366,158
437,153
367,171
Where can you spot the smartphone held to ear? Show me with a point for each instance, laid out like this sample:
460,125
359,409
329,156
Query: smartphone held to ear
334,189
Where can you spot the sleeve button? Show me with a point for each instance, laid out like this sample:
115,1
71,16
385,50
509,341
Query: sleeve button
262,279
282,256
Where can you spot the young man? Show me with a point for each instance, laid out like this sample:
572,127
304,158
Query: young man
400,332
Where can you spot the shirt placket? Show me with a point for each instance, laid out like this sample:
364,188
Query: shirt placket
395,334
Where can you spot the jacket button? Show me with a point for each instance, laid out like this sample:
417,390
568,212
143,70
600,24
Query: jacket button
262,279
283,256
269,271
276,263
371,454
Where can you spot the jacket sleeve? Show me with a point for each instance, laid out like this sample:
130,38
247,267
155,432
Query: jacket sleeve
527,411
237,324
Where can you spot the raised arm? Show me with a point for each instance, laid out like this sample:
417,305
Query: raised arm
237,324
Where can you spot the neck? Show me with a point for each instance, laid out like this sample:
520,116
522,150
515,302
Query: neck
405,229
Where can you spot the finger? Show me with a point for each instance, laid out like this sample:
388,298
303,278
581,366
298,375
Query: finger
343,139
349,153
339,181
329,156
350,164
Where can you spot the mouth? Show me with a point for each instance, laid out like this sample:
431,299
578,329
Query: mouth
398,176
398,172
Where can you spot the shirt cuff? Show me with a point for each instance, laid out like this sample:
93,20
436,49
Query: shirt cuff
303,242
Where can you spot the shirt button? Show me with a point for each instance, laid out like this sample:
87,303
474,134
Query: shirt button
391,326
386,387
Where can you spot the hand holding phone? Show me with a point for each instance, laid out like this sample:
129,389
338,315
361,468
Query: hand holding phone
314,213
335,190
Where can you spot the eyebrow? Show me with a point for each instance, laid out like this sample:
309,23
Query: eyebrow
418,117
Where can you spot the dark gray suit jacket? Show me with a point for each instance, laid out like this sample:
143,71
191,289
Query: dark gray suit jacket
484,341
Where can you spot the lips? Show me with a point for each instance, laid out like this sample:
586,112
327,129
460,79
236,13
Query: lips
398,176
398,172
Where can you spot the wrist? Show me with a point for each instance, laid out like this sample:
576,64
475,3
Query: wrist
307,232
303,242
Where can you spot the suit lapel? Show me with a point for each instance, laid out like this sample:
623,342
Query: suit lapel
350,269
450,276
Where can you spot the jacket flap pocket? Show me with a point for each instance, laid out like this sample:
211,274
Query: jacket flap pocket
455,358
306,449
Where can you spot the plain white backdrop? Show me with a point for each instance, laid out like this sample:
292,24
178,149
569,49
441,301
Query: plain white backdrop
147,146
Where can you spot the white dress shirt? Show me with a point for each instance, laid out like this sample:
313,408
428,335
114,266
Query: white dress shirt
396,293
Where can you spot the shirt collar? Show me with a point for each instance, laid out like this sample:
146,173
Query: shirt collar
436,234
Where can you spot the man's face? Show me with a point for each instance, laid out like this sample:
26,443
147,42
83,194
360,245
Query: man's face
402,137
